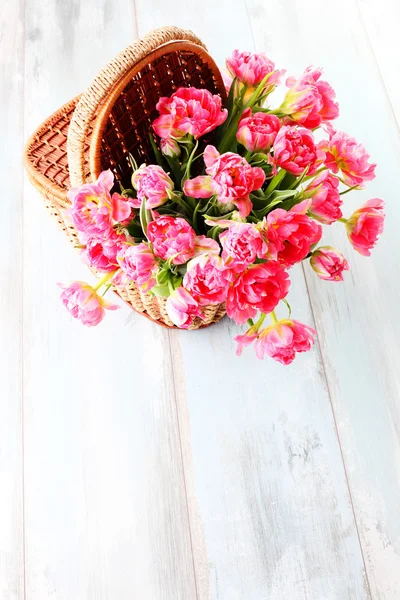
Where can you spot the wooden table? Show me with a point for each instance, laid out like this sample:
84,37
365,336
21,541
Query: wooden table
143,464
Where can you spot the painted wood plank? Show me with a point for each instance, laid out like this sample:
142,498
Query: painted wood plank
11,466
357,321
381,25
271,516
106,513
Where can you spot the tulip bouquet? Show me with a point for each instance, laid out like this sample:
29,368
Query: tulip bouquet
238,196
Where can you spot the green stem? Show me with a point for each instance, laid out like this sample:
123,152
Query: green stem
260,320
273,317
355,187
316,173
247,155
104,280
342,220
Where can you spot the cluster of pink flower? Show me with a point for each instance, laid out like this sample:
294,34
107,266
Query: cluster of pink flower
231,233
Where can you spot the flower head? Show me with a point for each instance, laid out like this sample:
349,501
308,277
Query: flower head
329,263
139,264
283,339
102,253
242,243
290,235
258,288
83,302
170,147
257,131
326,202
182,308
250,69
91,206
172,238
153,184
189,110
345,154
294,150
365,225
207,279
310,101
229,176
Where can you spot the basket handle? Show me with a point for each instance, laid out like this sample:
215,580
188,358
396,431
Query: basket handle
97,92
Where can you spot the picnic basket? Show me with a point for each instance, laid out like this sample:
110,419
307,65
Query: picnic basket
111,119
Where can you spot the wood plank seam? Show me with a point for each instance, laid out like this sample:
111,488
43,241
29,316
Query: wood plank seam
328,387
182,460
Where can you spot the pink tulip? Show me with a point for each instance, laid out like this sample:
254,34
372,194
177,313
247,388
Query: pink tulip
102,253
230,177
365,225
189,110
172,238
257,131
294,150
82,301
326,202
92,207
170,147
250,69
153,184
283,339
138,264
242,243
259,288
329,263
345,154
207,279
182,308
290,235
121,210
310,101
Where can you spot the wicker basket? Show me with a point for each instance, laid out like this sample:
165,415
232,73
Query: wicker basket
112,119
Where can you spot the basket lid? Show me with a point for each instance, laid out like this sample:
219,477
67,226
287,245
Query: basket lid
125,94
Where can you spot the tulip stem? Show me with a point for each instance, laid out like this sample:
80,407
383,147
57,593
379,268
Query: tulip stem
273,317
104,280
342,220
247,155
354,187
260,322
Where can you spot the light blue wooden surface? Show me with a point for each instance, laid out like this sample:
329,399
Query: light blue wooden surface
141,463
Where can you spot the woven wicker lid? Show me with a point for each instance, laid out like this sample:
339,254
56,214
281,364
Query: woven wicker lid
122,98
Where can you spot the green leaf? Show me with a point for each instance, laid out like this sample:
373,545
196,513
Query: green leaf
161,290
133,163
145,216
135,230
275,181
300,180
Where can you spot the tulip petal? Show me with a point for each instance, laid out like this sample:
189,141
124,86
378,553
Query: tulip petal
199,187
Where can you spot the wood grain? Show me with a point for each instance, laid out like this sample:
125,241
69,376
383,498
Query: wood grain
155,464
266,485
11,173
106,513
357,323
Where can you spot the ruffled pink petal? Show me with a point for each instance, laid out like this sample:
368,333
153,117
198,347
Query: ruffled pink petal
244,205
205,245
199,187
211,155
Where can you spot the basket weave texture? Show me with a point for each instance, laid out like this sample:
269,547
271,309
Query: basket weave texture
99,129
